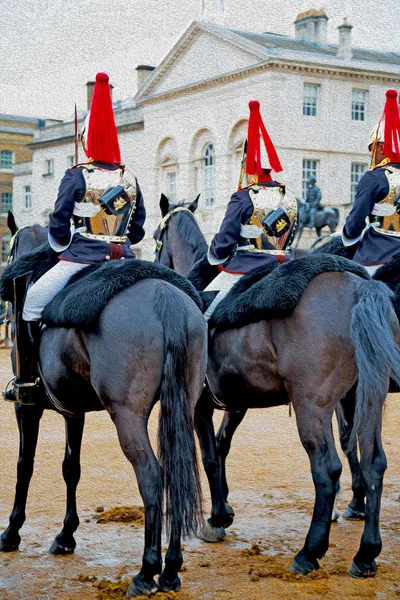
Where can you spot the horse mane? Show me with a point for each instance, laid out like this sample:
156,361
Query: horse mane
188,227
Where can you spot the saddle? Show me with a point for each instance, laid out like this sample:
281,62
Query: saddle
86,294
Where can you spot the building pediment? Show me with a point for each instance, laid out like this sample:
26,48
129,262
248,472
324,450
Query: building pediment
203,53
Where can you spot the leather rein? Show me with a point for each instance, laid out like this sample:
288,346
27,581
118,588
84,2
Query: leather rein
163,228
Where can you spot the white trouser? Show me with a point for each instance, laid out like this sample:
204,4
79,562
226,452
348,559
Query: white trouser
223,282
44,290
372,269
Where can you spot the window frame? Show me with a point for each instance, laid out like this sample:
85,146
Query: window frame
353,177
208,175
8,164
27,195
359,107
310,109
171,195
312,172
4,256
49,167
2,200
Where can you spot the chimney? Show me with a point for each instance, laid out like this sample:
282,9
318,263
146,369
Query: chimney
89,92
143,72
312,26
344,49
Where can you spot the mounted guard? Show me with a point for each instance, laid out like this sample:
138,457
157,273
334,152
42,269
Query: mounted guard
98,214
374,221
261,217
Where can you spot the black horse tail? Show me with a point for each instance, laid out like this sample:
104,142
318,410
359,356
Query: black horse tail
373,329
177,449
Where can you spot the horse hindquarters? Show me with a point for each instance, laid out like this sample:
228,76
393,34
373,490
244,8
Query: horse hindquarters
160,351
373,330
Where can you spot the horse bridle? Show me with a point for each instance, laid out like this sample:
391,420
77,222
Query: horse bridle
163,228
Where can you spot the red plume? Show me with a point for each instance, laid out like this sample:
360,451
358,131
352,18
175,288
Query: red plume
255,130
391,118
102,138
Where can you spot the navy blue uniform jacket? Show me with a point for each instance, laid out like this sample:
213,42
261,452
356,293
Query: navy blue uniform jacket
374,248
72,189
225,243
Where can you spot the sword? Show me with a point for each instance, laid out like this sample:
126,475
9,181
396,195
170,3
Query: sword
242,165
76,135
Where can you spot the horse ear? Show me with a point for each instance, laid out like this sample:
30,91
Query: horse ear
193,206
164,204
12,226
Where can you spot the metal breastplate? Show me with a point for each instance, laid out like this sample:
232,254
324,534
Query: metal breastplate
385,216
93,217
265,201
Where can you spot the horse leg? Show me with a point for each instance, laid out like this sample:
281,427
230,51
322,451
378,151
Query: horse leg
230,423
345,417
315,430
221,516
28,419
64,542
135,443
373,465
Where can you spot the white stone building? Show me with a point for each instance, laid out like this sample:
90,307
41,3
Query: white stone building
183,131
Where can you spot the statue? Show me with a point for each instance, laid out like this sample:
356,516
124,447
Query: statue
313,199
313,214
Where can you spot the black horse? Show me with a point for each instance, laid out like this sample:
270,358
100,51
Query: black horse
335,340
149,344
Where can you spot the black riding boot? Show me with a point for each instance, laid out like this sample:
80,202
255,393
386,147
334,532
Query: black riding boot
25,385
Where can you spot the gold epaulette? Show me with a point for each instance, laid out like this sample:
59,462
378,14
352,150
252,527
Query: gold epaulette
383,163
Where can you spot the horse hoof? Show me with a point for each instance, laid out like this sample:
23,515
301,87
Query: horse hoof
353,515
134,590
59,550
169,586
364,572
229,509
335,516
303,568
4,547
211,534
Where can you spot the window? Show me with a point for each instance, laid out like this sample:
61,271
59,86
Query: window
27,196
71,160
5,248
310,100
48,167
171,187
6,159
358,106
6,202
209,174
310,169
357,170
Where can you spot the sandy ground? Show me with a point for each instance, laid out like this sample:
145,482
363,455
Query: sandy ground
271,491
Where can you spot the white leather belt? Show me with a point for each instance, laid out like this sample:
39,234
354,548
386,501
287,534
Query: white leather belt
109,239
86,209
250,231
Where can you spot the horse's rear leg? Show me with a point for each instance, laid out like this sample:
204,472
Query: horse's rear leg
65,543
230,423
221,516
345,417
315,430
28,419
135,443
373,465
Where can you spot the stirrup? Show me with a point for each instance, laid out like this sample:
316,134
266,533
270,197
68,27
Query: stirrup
10,391
11,394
